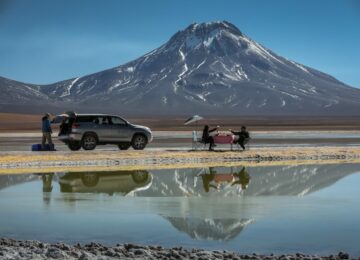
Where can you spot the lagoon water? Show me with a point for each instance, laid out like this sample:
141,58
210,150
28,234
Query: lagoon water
274,209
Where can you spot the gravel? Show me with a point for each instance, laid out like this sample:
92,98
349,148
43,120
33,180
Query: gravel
13,249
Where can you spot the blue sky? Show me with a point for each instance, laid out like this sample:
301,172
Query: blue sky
44,41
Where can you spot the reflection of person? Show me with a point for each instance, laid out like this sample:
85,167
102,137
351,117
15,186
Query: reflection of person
243,136
47,182
207,178
46,132
244,179
206,138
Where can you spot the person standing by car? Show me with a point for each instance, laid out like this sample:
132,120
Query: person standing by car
46,132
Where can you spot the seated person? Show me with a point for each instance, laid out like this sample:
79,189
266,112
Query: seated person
243,137
207,139
104,121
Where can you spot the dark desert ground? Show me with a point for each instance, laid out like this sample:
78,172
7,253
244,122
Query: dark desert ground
10,122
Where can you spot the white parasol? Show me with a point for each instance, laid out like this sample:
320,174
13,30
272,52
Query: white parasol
194,118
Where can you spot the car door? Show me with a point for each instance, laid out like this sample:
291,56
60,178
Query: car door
104,128
120,130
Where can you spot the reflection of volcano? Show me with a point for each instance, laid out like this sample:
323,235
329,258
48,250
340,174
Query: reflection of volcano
264,181
297,180
12,180
209,229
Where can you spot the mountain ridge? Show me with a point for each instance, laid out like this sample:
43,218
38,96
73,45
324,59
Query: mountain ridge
207,68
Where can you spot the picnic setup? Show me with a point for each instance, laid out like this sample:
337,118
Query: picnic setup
214,137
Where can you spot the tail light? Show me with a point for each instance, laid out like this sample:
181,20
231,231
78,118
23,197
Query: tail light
75,125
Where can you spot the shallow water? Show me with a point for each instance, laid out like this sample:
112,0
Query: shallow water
281,209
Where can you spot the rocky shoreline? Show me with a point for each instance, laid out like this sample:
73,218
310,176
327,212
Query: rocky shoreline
14,249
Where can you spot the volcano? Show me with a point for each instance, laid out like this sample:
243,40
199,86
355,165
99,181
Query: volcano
207,68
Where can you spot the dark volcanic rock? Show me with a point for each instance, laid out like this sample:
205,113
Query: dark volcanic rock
12,249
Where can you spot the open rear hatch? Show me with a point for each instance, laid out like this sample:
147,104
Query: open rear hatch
66,121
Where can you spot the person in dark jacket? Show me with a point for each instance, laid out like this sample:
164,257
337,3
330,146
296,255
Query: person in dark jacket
243,136
46,132
206,138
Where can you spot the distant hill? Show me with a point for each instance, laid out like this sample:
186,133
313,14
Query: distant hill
18,97
207,68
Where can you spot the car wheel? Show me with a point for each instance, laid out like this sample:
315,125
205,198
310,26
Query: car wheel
139,142
124,146
140,176
74,146
88,142
89,179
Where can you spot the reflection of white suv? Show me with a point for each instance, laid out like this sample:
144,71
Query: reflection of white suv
89,130
105,182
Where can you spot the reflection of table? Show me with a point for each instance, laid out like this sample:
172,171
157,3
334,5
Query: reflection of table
224,177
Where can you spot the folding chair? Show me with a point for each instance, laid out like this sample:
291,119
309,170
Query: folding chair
246,144
196,142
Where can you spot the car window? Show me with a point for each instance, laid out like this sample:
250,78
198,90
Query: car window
117,121
96,121
84,119
104,120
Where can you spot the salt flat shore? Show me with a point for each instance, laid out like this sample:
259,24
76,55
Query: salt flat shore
22,141
13,249
29,162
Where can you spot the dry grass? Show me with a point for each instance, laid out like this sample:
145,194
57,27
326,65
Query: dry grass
172,166
109,160
171,154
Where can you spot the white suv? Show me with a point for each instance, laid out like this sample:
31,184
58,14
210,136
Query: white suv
89,130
